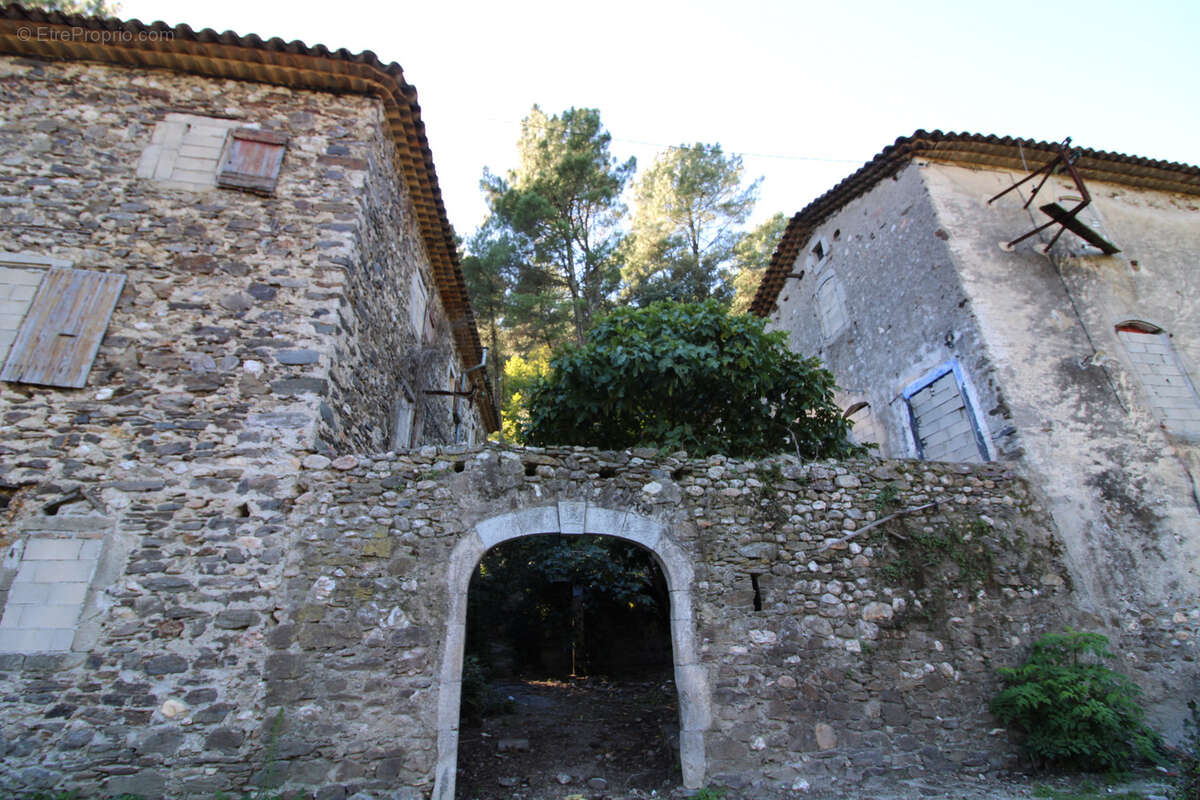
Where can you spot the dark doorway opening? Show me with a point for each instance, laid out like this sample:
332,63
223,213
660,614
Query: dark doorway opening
568,683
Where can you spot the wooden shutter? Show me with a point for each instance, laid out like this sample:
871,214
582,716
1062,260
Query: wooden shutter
251,160
61,332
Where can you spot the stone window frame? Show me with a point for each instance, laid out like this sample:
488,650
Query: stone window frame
970,402
818,256
1167,417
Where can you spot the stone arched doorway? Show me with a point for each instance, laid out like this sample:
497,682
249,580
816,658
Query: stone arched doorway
574,518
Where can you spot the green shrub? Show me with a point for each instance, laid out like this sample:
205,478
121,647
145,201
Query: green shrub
688,376
1074,710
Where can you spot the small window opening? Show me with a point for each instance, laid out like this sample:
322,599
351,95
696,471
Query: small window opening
243,510
837,234
680,473
459,466
819,251
757,591
530,469
608,472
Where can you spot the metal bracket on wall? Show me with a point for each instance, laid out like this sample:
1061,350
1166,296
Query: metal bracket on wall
1069,220
448,392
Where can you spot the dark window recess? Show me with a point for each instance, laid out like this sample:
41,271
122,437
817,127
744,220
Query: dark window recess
251,160
61,332
757,591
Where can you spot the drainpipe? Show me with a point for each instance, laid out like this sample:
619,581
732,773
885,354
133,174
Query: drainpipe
481,363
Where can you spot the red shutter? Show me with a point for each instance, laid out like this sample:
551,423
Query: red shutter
251,160
62,330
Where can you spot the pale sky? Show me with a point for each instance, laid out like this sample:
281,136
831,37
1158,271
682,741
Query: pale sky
807,92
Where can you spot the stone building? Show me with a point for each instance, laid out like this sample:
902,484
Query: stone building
956,337
234,331
219,257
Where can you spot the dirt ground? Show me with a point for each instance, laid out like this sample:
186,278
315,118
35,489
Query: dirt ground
583,736
595,739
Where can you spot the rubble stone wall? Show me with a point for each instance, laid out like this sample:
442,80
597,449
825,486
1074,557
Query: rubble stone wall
312,643
253,328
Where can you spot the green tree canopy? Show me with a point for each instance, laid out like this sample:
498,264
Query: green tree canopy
564,200
687,376
753,254
688,207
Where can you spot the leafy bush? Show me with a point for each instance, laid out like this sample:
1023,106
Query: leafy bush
690,376
1074,710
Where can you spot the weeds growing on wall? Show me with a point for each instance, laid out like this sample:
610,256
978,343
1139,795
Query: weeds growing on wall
1073,709
888,499
919,554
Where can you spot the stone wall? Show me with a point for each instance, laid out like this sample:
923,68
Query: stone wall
905,313
259,328
928,279
313,641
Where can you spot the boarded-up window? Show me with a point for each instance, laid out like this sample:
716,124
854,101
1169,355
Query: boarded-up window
943,423
62,330
251,160
17,287
47,595
831,305
418,301
1158,368
403,412
184,151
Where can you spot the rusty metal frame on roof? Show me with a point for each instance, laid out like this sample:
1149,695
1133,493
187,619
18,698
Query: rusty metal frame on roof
1068,220
972,150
